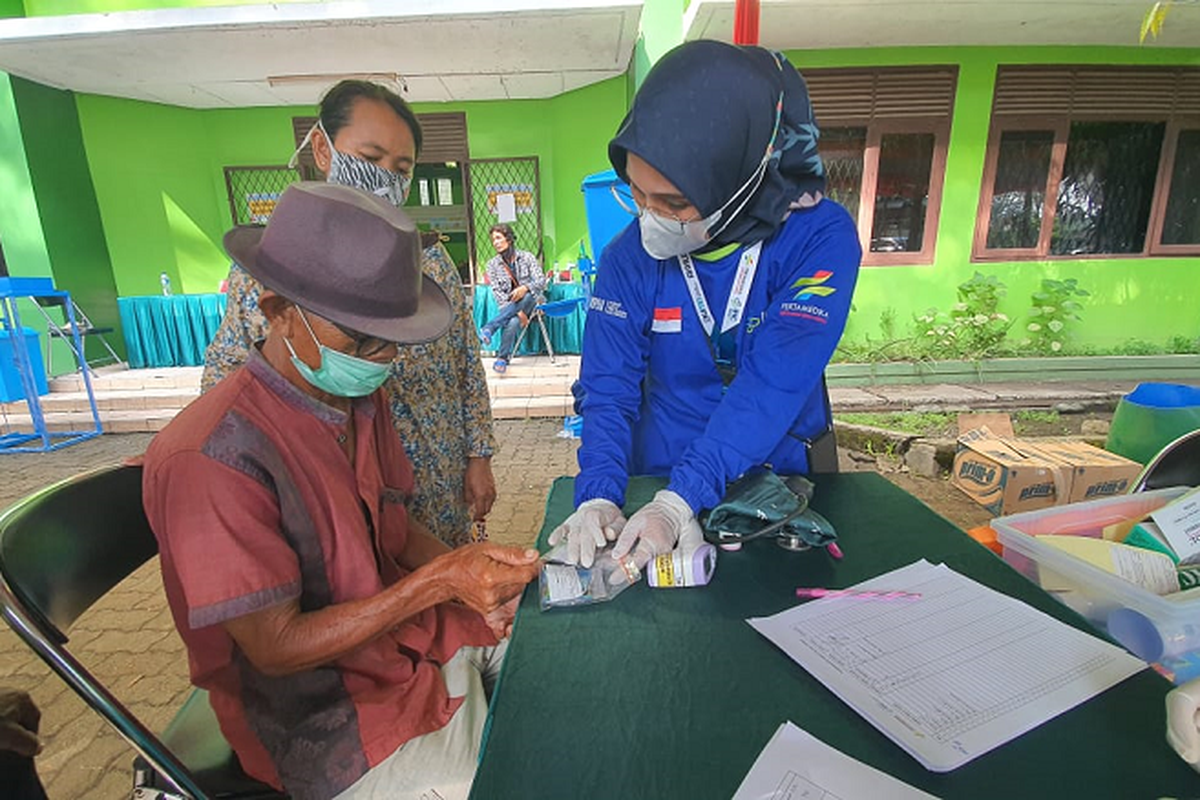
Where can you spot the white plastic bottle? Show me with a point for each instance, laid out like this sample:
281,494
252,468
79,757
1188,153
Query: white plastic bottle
679,568
165,280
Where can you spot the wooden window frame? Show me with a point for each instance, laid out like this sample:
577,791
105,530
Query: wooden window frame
1060,124
1162,191
1061,128
884,101
876,130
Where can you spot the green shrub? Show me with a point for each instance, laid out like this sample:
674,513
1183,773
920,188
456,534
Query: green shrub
974,328
1051,313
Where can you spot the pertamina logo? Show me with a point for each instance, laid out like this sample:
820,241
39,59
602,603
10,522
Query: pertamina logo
808,288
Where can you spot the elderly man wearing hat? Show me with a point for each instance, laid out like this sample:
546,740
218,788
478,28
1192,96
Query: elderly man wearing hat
346,651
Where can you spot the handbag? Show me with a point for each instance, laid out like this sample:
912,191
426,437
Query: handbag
761,503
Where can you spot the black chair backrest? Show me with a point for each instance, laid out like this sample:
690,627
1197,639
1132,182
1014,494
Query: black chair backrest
64,547
1177,464
61,550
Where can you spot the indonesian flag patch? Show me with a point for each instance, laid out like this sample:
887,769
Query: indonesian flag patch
668,320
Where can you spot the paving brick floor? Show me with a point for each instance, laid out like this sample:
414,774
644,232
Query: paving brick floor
129,642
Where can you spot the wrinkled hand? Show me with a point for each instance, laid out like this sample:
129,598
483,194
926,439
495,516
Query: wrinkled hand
19,719
594,524
501,620
655,528
479,487
486,576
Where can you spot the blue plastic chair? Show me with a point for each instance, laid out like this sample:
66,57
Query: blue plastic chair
561,308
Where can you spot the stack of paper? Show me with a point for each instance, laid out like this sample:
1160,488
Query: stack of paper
952,675
795,765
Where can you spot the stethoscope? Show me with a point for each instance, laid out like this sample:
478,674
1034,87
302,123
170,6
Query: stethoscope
788,541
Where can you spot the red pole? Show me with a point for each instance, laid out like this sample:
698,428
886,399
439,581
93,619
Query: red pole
745,22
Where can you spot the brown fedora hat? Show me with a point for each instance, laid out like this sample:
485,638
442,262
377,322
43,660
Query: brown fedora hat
348,256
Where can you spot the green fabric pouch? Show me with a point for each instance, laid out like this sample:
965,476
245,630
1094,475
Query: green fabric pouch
760,503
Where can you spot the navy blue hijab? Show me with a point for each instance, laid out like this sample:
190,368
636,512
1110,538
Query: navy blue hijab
704,116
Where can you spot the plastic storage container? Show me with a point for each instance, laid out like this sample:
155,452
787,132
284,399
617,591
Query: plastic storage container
11,389
1152,416
605,217
1148,625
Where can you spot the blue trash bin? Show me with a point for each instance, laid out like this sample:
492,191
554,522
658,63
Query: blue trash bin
11,388
605,217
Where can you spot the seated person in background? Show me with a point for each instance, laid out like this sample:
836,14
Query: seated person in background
347,652
517,282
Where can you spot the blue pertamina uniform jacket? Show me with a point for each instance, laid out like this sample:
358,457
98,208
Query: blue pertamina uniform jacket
652,400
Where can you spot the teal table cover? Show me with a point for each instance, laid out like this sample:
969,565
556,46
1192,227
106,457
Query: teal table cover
169,331
668,693
566,332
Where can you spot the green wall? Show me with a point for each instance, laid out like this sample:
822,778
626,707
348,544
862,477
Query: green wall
158,179
660,29
25,247
39,8
158,171
12,8
66,202
1146,298
153,176
49,218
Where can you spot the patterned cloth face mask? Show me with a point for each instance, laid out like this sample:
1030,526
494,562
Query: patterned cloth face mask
359,173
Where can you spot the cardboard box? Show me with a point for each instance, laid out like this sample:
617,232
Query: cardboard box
1009,476
1094,472
1004,477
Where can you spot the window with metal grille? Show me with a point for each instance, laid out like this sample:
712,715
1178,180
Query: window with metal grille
253,192
504,190
883,143
1088,161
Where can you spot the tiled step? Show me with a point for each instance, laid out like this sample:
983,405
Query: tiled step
117,380
114,400
147,399
126,421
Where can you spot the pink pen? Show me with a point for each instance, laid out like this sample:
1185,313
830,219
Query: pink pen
834,550
860,594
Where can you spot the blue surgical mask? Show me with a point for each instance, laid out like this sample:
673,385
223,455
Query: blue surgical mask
359,173
339,374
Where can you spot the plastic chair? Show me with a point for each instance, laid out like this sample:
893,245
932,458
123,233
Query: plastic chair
561,308
61,550
56,330
1177,464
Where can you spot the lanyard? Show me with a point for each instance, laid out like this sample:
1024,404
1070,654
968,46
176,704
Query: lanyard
738,293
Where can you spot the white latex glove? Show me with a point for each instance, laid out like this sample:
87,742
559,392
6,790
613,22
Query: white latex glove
655,528
690,539
594,524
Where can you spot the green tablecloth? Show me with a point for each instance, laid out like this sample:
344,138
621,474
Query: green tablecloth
566,332
670,694
169,331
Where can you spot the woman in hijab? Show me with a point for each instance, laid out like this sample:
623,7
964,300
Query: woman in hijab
714,316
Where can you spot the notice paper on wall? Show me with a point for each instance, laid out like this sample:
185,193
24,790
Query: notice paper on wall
445,192
795,764
506,208
919,670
